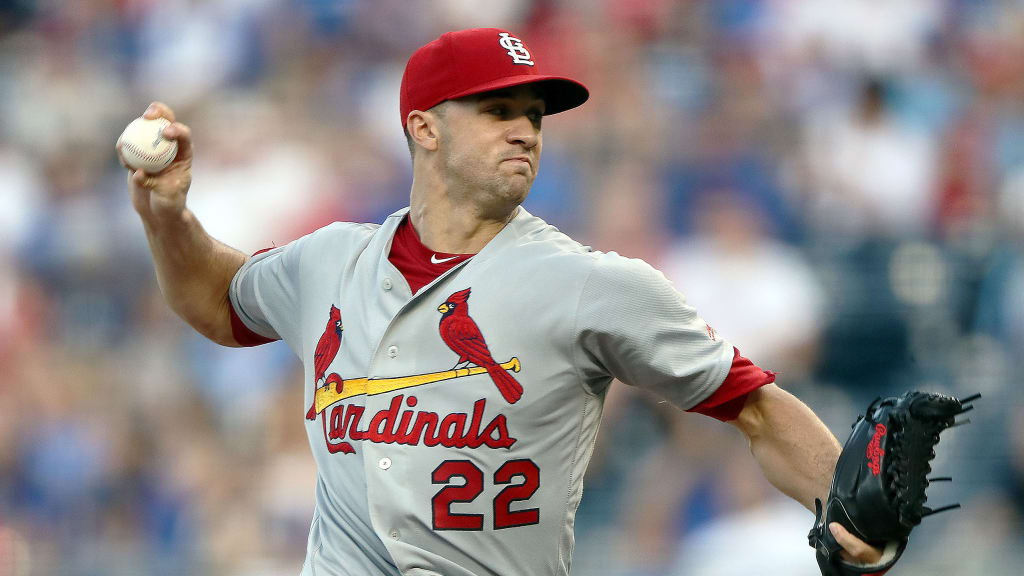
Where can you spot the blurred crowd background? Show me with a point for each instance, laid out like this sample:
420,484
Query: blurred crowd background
837,185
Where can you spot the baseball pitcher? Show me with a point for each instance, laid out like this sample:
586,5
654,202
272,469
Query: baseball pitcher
458,354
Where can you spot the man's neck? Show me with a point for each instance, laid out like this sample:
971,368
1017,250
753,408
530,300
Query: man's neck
453,227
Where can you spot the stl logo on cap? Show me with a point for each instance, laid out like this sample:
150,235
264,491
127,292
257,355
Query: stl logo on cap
515,48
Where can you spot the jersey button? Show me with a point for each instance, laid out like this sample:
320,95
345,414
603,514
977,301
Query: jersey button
384,463
392,351
386,284
394,535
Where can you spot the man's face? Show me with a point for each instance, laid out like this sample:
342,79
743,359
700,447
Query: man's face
491,143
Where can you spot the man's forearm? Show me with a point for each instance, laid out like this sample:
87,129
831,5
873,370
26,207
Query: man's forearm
794,448
194,272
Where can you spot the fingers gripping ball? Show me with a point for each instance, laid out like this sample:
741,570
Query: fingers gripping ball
144,147
878,488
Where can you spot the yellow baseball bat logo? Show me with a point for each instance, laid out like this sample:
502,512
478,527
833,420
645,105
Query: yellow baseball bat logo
327,395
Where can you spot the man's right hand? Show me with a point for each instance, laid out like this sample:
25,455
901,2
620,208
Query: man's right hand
162,196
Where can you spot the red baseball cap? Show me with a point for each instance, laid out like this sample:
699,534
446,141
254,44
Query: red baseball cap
479,60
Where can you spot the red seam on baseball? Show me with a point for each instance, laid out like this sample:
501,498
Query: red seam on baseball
145,155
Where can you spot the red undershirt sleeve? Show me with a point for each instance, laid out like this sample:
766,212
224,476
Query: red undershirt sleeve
242,333
727,401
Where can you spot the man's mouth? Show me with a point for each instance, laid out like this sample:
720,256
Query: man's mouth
522,159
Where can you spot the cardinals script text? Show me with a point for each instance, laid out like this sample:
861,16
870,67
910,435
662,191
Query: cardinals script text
413,427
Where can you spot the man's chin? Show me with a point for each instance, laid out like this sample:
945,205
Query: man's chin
512,194
520,190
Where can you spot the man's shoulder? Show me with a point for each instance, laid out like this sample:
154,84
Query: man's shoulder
339,235
336,242
349,228
536,234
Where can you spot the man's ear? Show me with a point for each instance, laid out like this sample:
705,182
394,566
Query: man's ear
423,130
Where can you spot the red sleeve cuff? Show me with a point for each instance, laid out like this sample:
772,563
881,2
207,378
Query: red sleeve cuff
243,335
727,402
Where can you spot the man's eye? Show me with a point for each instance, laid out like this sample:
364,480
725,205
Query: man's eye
497,111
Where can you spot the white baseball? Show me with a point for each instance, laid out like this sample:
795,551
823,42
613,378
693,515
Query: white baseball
144,147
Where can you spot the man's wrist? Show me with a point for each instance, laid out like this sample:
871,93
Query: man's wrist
168,222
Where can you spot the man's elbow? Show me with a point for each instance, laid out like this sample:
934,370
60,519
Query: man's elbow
220,336
214,323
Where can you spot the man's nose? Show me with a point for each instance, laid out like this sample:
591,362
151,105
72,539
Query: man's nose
523,132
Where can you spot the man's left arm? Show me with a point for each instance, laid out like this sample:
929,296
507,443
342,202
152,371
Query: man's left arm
797,454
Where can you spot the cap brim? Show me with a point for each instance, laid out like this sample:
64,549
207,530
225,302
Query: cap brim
559,93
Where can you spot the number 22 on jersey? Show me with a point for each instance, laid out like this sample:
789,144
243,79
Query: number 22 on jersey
525,470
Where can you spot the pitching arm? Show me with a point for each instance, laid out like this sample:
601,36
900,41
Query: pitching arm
797,454
194,270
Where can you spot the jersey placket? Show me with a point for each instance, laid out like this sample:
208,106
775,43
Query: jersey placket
385,464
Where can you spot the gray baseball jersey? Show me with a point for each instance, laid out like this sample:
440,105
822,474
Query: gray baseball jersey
452,428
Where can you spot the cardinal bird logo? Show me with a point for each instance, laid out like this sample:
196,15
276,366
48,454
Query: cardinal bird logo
462,335
326,349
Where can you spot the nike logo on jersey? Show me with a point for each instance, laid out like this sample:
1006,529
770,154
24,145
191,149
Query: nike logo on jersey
435,260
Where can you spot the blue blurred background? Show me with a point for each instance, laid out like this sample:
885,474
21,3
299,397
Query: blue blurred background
837,185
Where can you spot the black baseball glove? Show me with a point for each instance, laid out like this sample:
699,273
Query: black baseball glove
878,488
